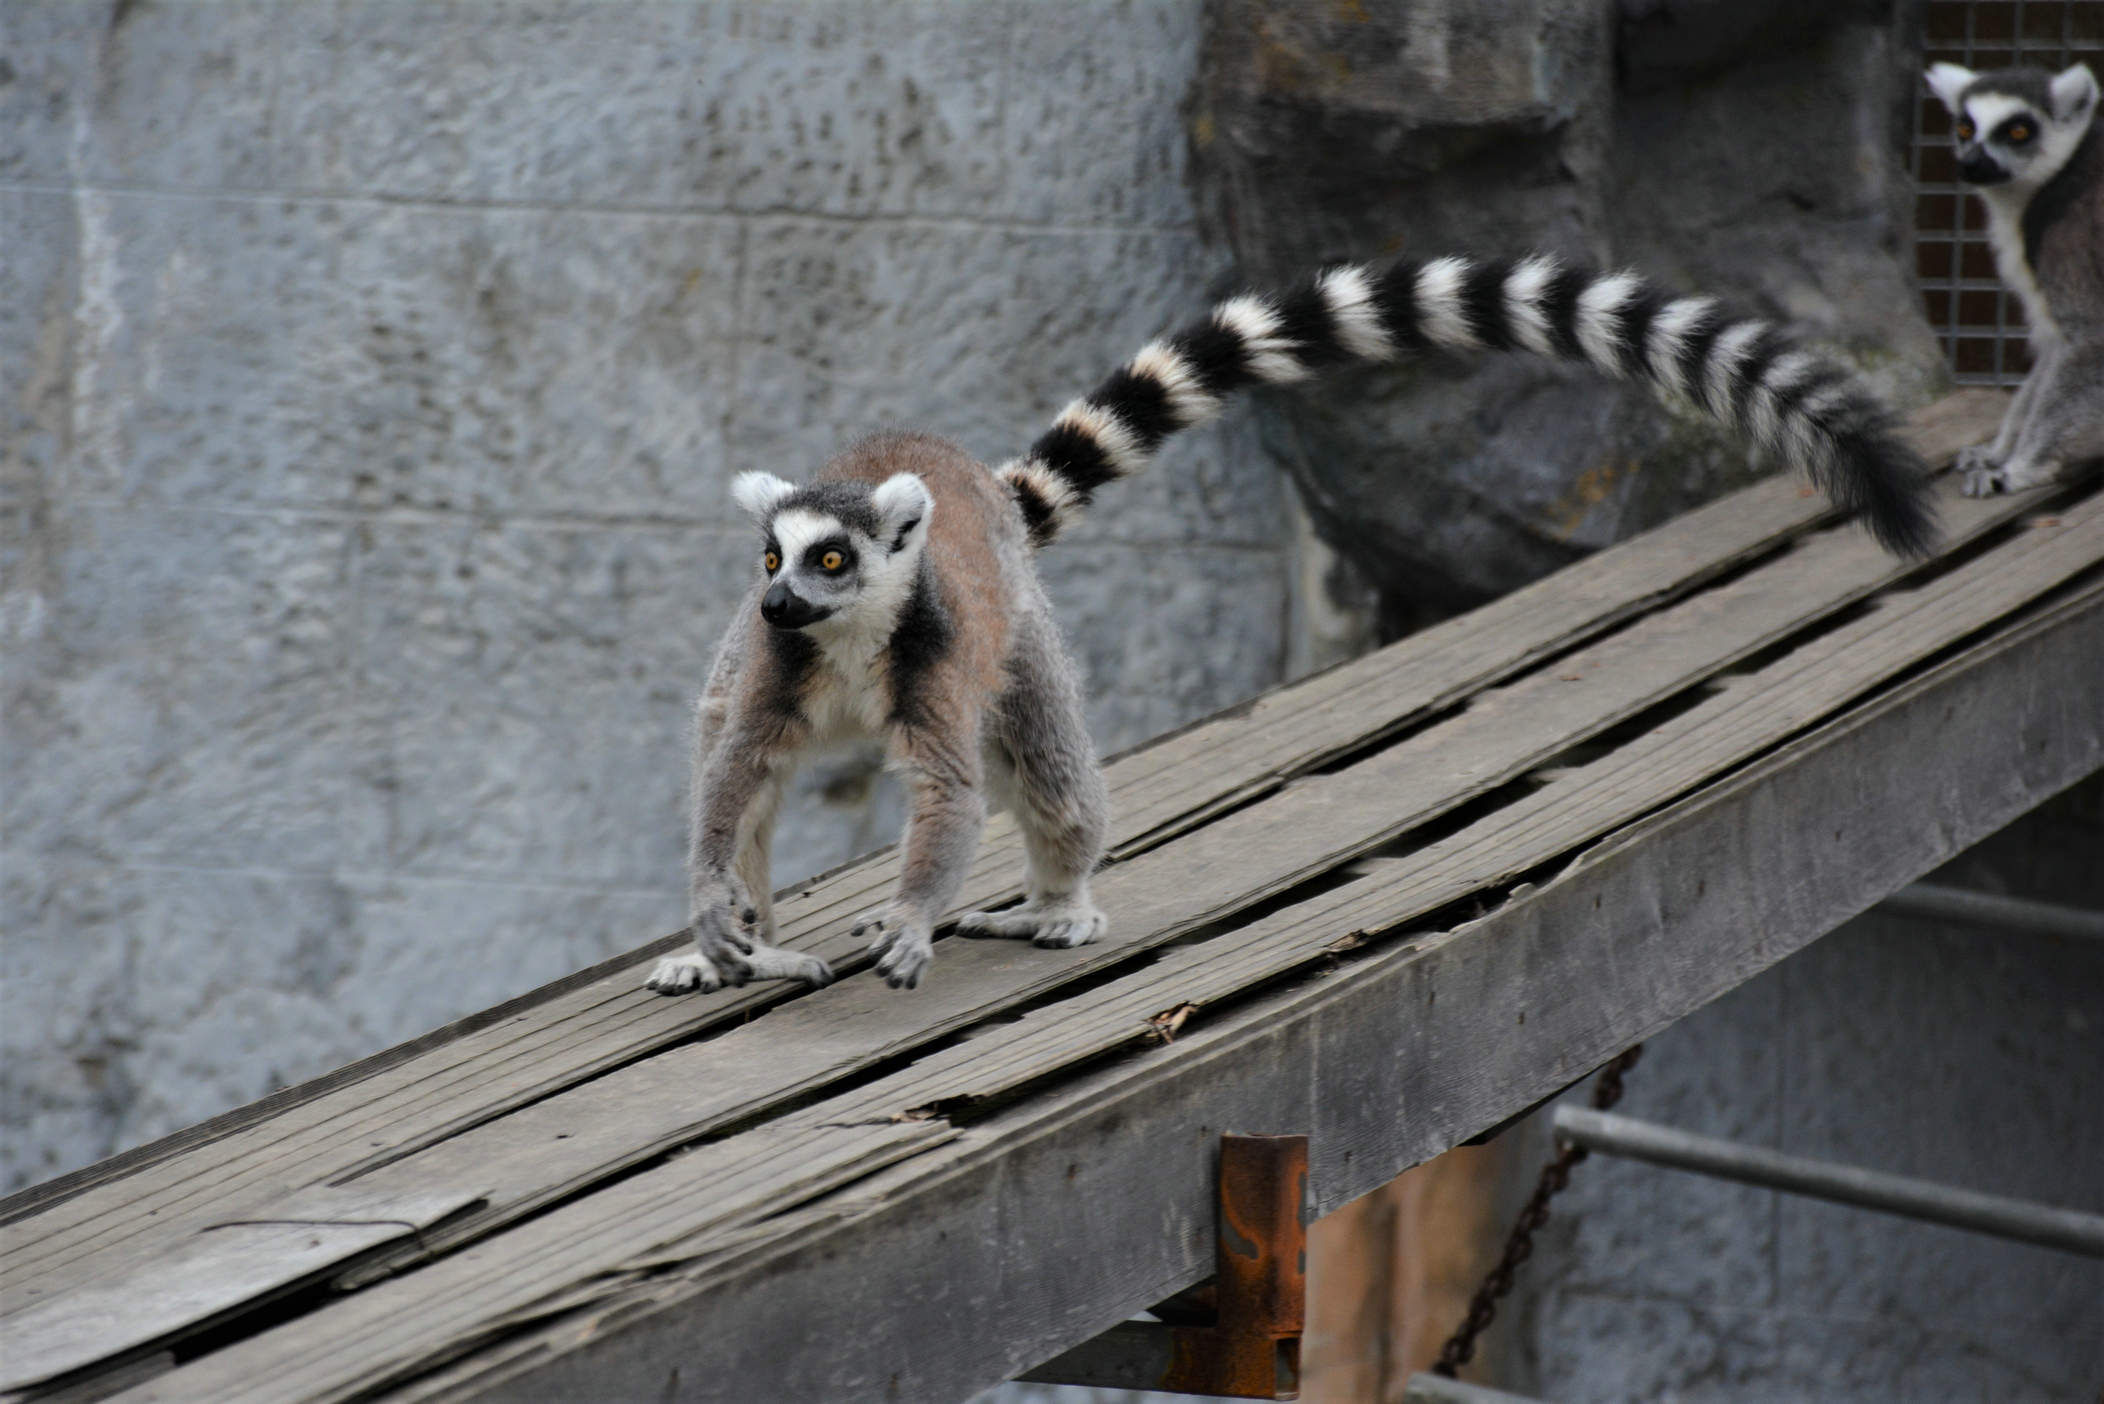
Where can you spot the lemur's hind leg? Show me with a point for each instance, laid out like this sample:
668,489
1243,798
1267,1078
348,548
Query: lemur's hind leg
1046,772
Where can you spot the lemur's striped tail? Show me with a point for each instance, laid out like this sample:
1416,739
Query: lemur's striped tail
1745,372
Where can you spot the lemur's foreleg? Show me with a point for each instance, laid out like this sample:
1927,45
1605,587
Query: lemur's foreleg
942,837
1977,466
1048,776
736,792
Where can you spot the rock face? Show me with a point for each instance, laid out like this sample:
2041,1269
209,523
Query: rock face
1751,150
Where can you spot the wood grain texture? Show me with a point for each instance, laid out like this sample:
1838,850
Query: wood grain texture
224,1265
1071,1208
561,1145
1810,679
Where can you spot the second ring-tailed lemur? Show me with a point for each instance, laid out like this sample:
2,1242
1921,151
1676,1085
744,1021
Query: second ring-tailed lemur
2028,141
897,595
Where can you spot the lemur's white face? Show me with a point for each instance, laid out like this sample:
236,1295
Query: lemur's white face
840,557
2015,127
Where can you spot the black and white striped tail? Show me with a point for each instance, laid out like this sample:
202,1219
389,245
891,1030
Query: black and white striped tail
1745,372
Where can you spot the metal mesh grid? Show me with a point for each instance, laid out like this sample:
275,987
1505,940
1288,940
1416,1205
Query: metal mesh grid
1980,326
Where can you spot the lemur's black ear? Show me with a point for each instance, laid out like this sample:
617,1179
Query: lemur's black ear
2074,93
760,493
903,505
1949,82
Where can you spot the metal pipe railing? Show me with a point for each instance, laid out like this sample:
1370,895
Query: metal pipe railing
2070,1230
1934,902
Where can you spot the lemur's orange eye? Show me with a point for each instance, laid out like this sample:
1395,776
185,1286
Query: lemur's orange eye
2019,133
773,562
832,560
1965,131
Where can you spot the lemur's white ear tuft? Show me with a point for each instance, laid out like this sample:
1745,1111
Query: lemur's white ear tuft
903,505
2074,93
758,493
1948,80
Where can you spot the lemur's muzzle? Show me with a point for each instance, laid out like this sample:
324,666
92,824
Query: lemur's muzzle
785,609
1981,169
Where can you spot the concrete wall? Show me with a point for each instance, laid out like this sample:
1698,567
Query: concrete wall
370,378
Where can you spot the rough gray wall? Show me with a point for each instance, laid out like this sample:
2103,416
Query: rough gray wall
370,379
1950,1053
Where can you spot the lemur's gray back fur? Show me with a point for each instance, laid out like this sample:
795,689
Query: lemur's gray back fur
2028,142
1743,371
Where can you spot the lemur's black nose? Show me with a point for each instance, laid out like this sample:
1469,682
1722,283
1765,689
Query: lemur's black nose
1981,169
785,609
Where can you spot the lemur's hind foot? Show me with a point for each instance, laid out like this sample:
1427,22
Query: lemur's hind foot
1982,476
1052,925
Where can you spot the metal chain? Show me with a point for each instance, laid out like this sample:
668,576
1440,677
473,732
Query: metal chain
1519,1246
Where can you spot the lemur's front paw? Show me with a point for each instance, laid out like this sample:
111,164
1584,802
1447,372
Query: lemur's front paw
678,975
1980,471
725,931
903,944
1054,925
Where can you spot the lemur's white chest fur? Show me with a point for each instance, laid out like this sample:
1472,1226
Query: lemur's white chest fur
2005,232
846,697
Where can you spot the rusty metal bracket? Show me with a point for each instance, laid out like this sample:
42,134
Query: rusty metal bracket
1238,1336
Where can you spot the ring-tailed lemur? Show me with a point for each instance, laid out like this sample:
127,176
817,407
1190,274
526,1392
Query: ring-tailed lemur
2028,141
898,596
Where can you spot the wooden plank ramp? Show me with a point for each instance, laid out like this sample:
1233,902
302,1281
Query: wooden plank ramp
1390,905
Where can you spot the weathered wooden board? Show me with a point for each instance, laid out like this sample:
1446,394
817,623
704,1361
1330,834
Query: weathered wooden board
1073,1207
724,1185
220,1267
579,1027
561,1144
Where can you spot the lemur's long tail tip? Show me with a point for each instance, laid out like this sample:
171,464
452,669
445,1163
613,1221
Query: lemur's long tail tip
1889,488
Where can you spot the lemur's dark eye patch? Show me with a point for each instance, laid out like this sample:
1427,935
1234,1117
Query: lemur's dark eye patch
1965,130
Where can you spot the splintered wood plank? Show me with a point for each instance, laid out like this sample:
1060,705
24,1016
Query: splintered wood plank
221,1267
584,1031
611,1237
558,1146
1068,1210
